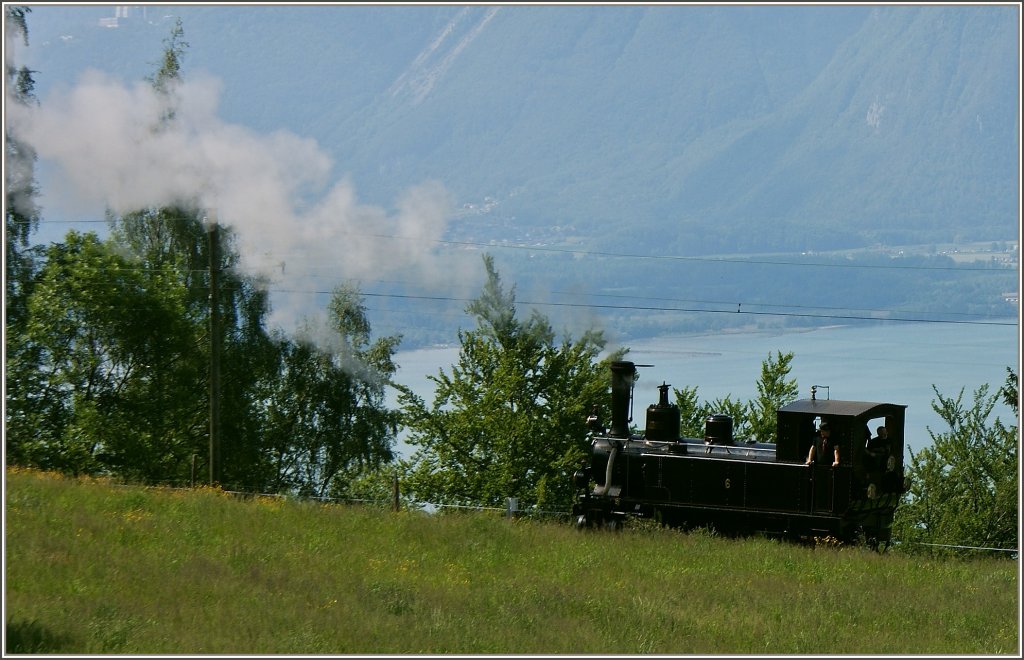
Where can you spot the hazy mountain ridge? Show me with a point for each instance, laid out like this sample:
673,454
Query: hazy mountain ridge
861,153
586,123
683,130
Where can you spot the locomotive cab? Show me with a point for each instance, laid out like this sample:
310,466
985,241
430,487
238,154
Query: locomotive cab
852,424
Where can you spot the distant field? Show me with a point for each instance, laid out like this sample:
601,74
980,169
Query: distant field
1004,252
93,567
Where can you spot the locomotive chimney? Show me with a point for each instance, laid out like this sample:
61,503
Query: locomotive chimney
623,376
663,418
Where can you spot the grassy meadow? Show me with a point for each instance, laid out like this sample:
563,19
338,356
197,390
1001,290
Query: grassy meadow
97,568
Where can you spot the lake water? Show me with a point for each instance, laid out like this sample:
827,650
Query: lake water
890,363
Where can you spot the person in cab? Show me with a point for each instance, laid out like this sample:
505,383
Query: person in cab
823,449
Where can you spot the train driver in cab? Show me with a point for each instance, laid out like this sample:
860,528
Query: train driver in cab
877,450
823,448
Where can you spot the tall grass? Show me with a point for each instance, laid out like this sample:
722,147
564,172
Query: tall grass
92,568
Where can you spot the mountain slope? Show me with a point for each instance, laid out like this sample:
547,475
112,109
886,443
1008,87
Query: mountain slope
677,129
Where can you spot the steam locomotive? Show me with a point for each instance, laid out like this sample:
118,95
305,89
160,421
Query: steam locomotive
746,487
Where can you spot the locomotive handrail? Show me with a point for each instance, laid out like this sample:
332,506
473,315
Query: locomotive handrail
737,450
700,448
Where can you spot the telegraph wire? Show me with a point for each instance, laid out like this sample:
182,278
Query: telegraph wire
721,302
875,317
738,310
879,315
202,271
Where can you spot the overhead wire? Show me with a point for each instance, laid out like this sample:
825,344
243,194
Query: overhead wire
738,310
791,306
871,315
874,315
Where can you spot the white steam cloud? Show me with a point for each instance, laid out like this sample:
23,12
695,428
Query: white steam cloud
295,224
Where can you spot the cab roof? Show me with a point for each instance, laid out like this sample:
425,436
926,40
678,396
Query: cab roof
838,408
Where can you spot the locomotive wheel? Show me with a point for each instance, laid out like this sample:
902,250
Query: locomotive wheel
598,520
871,540
877,545
613,524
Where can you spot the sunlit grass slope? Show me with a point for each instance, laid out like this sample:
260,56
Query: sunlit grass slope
92,567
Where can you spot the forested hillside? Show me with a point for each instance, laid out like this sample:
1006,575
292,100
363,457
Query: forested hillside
678,130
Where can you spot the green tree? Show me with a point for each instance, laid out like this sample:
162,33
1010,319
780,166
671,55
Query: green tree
296,416
168,74
180,239
21,217
1010,391
110,337
326,421
964,487
121,334
774,390
749,419
21,210
692,413
509,420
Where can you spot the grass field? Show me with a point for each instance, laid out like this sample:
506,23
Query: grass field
93,568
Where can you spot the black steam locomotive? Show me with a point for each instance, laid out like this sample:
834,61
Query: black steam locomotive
741,488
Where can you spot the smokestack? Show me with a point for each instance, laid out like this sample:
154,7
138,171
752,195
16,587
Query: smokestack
623,377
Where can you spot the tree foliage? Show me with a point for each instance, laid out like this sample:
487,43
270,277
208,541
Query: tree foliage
112,342
509,419
774,390
751,419
108,354
21,259
180,240
168,74
964,488
21,212
326,421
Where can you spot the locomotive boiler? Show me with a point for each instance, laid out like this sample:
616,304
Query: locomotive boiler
742,487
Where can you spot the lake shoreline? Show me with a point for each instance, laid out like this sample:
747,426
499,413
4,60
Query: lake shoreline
894,363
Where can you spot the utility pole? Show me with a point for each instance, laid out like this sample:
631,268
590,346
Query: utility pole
213,231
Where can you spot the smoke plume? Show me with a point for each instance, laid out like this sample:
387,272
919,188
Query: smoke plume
297,223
